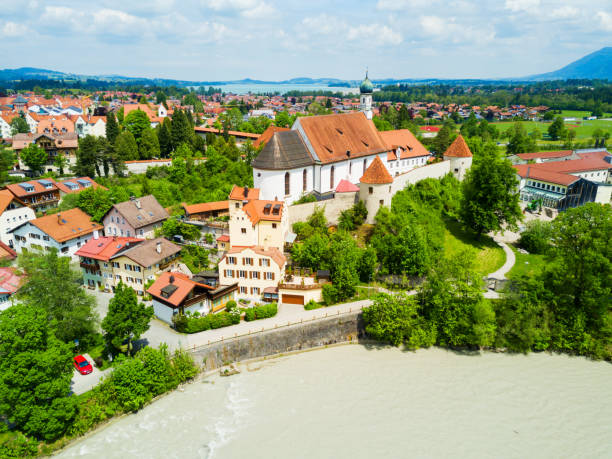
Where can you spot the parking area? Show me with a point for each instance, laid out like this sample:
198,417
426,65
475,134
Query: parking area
83,383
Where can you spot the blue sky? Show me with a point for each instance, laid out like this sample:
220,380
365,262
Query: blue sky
275,40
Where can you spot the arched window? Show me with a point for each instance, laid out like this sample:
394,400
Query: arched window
365,163
305,180
287,187
331,178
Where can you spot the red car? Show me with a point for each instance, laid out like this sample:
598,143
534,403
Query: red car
82,365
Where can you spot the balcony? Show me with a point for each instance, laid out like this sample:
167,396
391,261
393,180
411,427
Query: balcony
91,266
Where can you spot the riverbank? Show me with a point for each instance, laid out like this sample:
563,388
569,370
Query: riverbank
369,400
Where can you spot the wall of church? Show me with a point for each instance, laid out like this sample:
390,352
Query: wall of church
435,170
272,183
332,208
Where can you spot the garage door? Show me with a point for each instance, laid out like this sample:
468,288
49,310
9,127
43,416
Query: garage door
293,299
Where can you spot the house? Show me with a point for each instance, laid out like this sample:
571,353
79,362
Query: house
94,259
65,231
40,195
223,243
405,151
13,212
542,156
90,125
254,268
138,217
144,261
206,210
175,293
10,282
256,222
65,144
76,185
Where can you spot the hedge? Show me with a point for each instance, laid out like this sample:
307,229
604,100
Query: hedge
194,323
261,312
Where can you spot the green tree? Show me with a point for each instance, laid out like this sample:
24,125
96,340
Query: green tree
444,138
519,141
19,125
7,161
137,122
60,162
180,129
556,130
149,145
112,128
164,138
87,156
54,287
35,373
174,226
490,195
126,146
127,319
283,119
160,97
34,157
95,202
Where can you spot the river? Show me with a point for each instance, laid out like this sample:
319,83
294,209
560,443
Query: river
372,402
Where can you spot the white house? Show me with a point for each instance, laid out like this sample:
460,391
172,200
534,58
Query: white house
66,231
90,125
13,212
138,217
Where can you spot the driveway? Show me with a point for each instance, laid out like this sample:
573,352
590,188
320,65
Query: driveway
83,383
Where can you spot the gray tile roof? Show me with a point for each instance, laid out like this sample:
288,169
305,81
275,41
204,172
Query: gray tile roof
141,212
146,254
285,150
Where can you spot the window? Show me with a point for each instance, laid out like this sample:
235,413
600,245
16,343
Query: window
243,290
269,276
116,265
304,180
45,238
254,290
370,190
231,260
331,177
237,205
273,225
242,274
255,275
381,202
247,261
229,273
64,249
264,262
117,277
287,187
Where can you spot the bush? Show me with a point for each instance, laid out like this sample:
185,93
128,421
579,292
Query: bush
230,306
536,237
330,294
261,312
312,304
194,323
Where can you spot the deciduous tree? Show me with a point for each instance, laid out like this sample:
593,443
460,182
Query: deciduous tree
34,157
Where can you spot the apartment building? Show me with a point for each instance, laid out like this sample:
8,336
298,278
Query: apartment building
138,217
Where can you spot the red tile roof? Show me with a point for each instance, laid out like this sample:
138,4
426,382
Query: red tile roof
184,285
207,130
105,247
458,149
346,187
592,163
223,238
237,193
406,141
533,171
206,207
6,197
20,192
65,189
376,173
545,154
66,225
267,135
10,281
255,210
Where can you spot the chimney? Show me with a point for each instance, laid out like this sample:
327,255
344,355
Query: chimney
138,204
158,247
132,198
246,191
528,167
59,218
171,279
96,235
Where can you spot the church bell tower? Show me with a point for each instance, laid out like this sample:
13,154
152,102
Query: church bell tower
366,88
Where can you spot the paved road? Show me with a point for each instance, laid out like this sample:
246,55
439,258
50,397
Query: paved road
82,383
507,266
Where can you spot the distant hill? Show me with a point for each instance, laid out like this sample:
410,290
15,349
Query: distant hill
597,65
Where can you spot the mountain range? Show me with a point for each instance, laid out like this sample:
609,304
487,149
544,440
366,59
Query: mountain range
597,65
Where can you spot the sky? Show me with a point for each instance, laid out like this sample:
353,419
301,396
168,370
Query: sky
208,40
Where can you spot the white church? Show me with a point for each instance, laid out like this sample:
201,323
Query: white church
319,152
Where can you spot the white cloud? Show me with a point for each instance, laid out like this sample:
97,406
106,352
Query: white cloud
522,5
12,29
605,20
262,10
565,12
447,29
375,34
246,8
399,5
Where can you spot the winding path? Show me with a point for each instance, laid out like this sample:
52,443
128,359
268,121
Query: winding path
507,266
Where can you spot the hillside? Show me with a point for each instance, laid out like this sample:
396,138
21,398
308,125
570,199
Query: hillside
597,65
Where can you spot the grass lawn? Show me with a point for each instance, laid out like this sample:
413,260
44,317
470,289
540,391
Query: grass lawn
529,264
584,128
489,256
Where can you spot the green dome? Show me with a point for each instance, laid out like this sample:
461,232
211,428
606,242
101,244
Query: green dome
366,86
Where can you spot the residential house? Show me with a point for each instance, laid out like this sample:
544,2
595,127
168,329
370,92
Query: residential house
13,212
65,144
95,256
145,261
65,231
90,125
206,210
175,293
138,217
405,151
256,222
40,195
254,268
10,282
76,185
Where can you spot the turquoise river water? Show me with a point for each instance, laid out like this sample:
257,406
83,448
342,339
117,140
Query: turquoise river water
358,401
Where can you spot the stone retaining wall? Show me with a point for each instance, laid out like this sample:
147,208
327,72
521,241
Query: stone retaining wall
332,330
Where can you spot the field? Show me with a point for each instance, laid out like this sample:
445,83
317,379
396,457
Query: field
489,256
528,264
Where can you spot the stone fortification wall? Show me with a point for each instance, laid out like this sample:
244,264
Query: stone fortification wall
436,171
333,207
332,330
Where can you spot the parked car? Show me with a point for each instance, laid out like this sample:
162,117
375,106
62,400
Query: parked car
82,365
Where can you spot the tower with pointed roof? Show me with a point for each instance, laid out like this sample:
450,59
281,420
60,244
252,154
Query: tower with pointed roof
460,157
376,188
366,88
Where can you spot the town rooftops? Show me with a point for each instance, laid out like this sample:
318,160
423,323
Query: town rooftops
271,252
340,137
78,184
346,187
545,155
404,139
542,173
285,150
205,207
6,197
376,173
32,187
67,140
258,210
140,212
10,281
458,149
65,225
243,193
585,164
103,248
150,251
223,238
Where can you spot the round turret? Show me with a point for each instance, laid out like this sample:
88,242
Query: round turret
366,86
